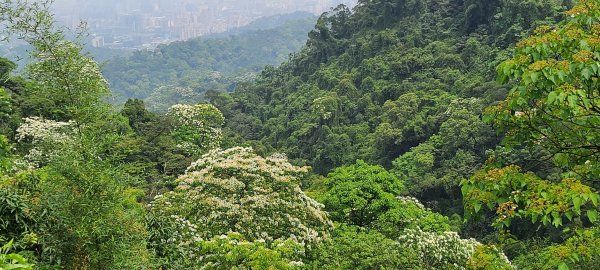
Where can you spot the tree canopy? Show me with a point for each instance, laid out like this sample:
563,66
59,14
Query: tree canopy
422,134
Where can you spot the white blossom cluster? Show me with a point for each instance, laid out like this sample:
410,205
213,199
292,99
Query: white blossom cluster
196,115
37,128
276,166
197,126
469,104
411,200
441,250
235,190
44,135
325,106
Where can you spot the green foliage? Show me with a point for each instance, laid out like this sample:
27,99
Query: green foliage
5,151
408,212
163,97
479,12
5,104
12,261
6,67
233,252
582,251
16,215
140,119
355,248
488,257
62,74
433,169
389,80
554,103
86,214
360,93
152,150
96,219
359,193
551,111
369,196
400,84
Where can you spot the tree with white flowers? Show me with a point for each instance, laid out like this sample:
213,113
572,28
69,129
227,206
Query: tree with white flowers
197,128
447,250
236,191
44,136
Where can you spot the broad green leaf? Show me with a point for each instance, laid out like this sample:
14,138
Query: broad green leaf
577,204
545,220
562,75
569,216
575,257
586,73
552,97
573,100
592,215
557,221
534,76
465,188
594,199
476,207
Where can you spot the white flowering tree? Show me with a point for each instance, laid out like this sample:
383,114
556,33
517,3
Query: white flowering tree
448,251
236,191
197,128
45,138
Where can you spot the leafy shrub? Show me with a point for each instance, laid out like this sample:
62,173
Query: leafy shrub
352,247
12,261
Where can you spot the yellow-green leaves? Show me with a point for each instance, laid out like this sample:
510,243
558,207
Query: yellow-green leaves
515,195
555,75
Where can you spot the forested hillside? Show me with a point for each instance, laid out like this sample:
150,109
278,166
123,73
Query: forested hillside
182,72
402,84
421,134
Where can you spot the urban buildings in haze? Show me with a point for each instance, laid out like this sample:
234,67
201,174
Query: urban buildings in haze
146,23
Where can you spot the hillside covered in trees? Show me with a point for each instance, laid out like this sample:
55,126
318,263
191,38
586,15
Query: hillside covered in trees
405,134
182,72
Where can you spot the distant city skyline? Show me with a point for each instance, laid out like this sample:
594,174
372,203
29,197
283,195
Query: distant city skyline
147,23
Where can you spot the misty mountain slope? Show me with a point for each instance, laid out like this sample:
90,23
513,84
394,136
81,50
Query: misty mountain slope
266,23
183,71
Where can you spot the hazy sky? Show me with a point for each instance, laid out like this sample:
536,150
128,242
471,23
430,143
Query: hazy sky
97,7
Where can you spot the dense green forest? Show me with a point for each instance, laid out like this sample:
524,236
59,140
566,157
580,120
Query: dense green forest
405,134
181,72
